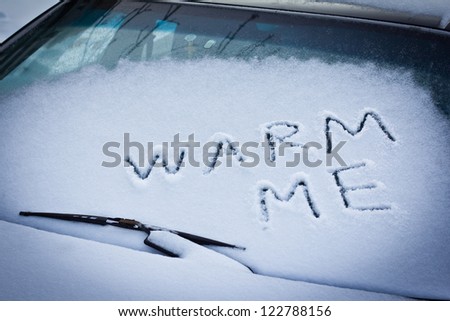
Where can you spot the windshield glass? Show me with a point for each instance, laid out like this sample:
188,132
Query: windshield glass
147,31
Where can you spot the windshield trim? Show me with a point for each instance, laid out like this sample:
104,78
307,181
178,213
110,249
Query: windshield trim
25,41
336,9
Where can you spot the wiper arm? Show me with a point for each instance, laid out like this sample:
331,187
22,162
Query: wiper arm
133,225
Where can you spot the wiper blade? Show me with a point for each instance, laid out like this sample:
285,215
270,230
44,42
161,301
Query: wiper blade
133,225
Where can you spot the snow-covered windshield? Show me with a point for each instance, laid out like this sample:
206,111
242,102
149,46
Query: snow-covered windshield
320,145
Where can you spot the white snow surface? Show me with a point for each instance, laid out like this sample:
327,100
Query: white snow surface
55,267
392,237
17,13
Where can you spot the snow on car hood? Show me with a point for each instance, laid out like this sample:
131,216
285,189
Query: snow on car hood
375,219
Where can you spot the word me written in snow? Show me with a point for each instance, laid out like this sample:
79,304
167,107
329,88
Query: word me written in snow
276,138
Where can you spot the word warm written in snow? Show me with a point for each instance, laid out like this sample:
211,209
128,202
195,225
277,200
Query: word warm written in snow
276,138
274,142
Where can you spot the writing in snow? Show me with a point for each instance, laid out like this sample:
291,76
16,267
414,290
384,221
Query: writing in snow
276,136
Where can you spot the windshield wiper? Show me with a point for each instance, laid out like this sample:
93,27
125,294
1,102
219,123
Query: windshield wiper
133,225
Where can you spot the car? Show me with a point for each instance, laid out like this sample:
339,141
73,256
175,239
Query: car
312,137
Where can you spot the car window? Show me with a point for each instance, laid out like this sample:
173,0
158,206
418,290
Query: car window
142,32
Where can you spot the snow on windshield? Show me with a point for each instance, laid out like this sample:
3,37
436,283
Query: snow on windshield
373,216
